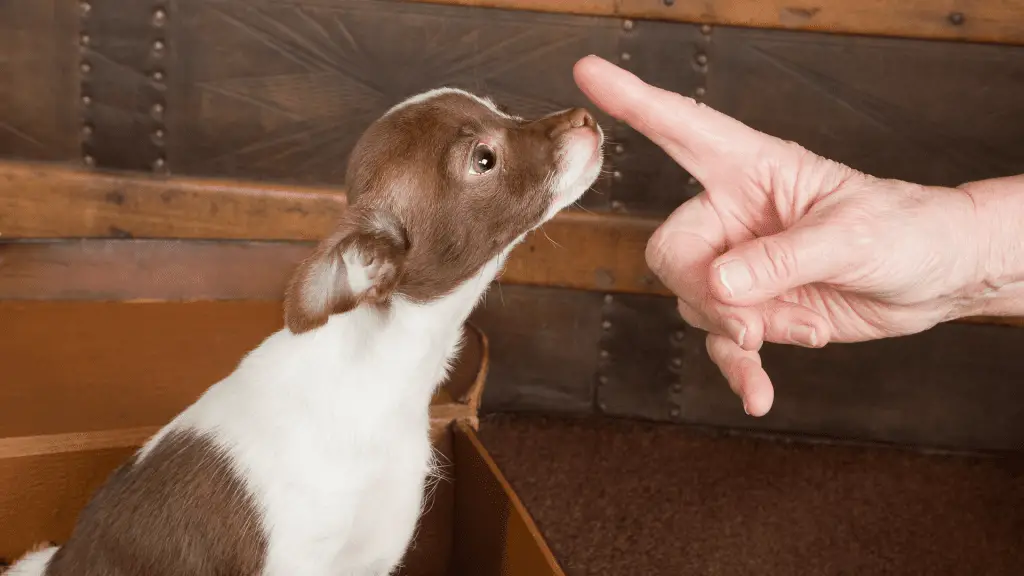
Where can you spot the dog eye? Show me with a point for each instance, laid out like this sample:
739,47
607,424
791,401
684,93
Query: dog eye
484,159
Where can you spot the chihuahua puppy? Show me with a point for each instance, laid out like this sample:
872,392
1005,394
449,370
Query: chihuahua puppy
311,458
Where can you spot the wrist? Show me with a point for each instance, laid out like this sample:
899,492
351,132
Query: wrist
998,230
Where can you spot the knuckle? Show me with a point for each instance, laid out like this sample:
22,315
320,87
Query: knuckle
779,262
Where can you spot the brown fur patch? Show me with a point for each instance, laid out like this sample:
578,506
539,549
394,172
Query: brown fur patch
182,511
413,168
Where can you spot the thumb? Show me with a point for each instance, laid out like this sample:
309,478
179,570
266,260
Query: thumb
766,267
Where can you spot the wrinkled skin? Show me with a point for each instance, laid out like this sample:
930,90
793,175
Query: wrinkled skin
785,246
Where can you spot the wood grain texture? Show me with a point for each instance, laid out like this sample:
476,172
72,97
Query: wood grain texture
77,367
124,68
39,80
41,496
997,21
47,201
282,91
544,348
932,113
495,534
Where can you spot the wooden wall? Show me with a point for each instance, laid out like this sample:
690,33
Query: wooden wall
181,150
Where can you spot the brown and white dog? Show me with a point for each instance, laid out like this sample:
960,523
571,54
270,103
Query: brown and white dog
311,458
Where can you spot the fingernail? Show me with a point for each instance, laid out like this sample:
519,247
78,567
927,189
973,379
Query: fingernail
737,329
745,409
802,334
736,277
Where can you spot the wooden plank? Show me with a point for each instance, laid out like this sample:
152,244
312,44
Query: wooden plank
579,250
48,201
544,348
43,492
997,21
39,87
932,113
494,533
73,367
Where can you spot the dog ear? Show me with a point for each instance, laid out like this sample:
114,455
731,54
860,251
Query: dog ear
361,262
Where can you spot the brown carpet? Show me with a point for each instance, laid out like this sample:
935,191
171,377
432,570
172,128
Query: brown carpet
624,498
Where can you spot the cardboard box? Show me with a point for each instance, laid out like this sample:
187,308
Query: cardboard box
84,383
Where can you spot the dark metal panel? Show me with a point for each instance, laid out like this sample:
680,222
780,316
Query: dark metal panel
956,386
38,80
283,90
124,75
938,113
641,345
645,180
544,348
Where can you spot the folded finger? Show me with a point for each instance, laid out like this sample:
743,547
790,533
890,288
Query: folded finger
742,369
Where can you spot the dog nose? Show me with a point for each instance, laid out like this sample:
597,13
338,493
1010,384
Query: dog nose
572,118
579,118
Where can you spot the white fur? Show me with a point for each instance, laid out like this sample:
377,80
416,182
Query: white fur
423,97
330,428
32,564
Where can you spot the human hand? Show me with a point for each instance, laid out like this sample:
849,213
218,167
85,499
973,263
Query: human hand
785,246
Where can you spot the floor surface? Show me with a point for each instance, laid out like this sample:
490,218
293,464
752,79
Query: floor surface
624,498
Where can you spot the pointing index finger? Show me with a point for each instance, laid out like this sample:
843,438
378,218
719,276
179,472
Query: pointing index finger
693,134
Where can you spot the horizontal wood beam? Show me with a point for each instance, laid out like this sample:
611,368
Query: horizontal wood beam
43,201
993,21
64,231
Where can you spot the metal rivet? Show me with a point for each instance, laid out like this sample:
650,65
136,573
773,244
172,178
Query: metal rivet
602,406
86,131
158,110
606,324
619,148
674,413
705,29
957,18
86,100
605,354
677,362
677,387
617,175
700,91
85,67
158,75
159,164
627,24
702,59
691,181
159,17
602,380
89,160
158,134
678,335
84,8
608,299
84,39
618,206
625,56
158,45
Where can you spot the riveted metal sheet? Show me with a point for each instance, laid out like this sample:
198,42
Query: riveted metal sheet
641,357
